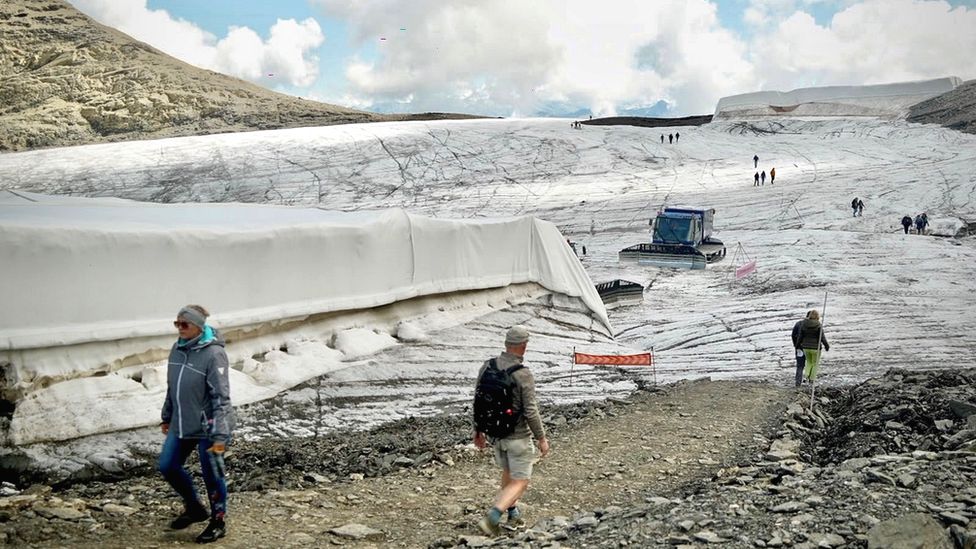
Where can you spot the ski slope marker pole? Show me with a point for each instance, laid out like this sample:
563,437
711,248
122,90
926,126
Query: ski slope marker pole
572,366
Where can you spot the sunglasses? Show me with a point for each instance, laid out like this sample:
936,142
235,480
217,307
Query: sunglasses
181,324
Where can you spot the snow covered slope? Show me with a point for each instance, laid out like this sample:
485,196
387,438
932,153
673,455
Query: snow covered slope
886,100
894,300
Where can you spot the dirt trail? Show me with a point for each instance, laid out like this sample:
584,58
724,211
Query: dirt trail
652,444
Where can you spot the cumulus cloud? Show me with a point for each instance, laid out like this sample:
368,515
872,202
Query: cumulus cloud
524,54
510,57
288,54
870,42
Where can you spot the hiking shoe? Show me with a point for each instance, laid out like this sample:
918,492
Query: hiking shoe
195,513
214,531
515,518
490,528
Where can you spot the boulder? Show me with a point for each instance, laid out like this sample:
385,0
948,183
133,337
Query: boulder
916,530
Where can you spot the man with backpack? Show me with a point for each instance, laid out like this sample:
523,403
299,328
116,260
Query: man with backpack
506,414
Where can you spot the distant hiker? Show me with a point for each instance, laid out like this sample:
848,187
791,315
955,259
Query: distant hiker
811,337
584,249
772,176
854,205
921,222
662,138
676,136
506,414
197,414
906,222
756,184
762,177
670,138
755,161
860,207
798,352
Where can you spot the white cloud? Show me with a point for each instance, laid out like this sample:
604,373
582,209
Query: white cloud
509,57
288,53
519,55
871,42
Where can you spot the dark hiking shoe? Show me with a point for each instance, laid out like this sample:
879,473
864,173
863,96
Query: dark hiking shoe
190,515
214,531
515,519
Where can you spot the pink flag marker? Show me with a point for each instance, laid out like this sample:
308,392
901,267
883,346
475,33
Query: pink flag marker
745,270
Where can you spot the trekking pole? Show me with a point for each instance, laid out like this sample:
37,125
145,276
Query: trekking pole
823,318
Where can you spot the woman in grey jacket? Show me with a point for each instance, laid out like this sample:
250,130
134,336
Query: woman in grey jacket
197,414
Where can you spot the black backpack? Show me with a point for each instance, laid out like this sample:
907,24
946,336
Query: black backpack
494,413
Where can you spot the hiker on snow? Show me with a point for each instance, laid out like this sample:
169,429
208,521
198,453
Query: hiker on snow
772,176
810,337
756,178
921,221
197,414
755,161
856,204
506,415
906,222
762,177
670,138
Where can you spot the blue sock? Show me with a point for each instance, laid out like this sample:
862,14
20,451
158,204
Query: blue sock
495,515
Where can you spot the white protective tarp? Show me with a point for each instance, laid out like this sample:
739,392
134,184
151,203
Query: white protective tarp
874,100
94,284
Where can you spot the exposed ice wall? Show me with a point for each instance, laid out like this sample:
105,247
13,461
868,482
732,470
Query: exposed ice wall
94,284
876,100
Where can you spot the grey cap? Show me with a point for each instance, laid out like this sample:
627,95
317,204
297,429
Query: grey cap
516,335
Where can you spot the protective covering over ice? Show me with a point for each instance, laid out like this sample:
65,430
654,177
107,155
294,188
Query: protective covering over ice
878,100
92,285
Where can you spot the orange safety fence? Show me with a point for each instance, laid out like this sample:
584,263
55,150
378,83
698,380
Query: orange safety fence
643,359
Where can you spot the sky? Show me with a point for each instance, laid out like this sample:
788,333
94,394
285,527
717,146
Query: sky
553,57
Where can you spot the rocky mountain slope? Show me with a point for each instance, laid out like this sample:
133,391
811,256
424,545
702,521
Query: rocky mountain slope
956,109
67,80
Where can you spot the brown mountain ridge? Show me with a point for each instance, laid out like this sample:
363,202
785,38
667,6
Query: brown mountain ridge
68,80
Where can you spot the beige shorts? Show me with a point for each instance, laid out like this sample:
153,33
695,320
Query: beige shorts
517,455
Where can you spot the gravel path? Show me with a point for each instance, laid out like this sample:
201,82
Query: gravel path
605,454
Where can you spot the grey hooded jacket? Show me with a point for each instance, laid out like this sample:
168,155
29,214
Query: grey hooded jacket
198,390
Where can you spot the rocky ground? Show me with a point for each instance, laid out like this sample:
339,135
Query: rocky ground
955,109
649,122
695,463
